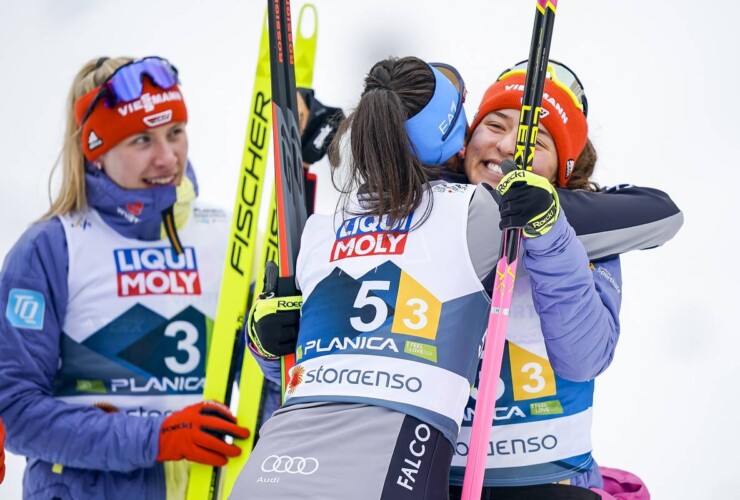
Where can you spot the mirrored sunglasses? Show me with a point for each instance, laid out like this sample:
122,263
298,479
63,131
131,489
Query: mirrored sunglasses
560,74
126,83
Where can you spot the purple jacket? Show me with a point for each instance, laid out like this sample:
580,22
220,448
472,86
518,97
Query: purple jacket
607,223
104,455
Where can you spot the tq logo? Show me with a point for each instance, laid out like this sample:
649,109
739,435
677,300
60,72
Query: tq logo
291,465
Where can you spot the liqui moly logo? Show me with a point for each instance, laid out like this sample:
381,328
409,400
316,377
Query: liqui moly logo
156,271
368,235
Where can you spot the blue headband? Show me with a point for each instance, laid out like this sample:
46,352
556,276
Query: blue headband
427,127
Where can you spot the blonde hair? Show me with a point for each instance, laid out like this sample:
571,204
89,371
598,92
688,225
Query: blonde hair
71,196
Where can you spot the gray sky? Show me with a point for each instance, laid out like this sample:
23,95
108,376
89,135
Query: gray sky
661,83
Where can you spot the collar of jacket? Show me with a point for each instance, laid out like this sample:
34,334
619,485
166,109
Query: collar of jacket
133,213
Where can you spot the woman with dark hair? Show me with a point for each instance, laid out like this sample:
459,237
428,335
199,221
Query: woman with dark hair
388,344
560,334
394,307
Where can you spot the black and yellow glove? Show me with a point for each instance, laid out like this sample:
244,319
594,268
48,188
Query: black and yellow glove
526,200
273,320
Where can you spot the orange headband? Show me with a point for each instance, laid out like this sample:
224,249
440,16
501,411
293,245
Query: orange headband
561,116
106,127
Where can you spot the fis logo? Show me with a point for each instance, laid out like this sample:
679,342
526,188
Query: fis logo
156,271
368,235
449,188
82,222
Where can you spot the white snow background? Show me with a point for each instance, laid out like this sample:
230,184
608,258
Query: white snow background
661,79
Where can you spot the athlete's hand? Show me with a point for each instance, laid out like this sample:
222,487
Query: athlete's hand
273,321
196,434
273,325
2,451
318,128
526,200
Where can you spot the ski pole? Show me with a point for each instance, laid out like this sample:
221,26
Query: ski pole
503,287
289,177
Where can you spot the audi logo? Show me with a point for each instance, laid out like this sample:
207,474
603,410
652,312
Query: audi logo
291,465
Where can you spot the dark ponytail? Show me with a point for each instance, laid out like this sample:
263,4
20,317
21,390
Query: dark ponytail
382,159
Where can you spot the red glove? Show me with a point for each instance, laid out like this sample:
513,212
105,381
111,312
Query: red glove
2,451
196,433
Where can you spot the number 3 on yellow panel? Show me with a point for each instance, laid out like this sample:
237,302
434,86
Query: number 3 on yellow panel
531,375
417,310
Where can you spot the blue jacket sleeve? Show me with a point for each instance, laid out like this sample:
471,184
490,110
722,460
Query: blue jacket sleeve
608,223
578,302
620,219
38,425
271,368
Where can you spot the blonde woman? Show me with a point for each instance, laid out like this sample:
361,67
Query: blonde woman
109,298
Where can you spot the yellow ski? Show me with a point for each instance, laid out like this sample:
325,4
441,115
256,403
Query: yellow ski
204,482
207,482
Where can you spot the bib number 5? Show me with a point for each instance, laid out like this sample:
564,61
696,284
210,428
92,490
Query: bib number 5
412,314
365,299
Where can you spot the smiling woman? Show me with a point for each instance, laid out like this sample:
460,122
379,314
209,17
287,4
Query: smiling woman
564,321
154,157
107,321
562,133
500,128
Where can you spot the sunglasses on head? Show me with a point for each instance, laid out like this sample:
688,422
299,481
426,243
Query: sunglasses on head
126,83
454,77
561,75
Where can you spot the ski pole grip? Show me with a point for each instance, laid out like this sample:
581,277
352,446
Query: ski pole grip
269,285
276,286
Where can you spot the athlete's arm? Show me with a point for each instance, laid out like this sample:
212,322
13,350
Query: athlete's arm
38,425
608,223
578,305
621,218
271,368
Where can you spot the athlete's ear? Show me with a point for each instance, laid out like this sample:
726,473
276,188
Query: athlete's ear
461,153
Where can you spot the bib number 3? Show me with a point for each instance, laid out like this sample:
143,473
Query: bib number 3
186,345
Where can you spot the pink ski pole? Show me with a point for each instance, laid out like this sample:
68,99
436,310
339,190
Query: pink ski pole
503,287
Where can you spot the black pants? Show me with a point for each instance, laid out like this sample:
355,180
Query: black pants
420,464
536,492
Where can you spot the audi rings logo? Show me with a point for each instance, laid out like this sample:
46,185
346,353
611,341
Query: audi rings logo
291,465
